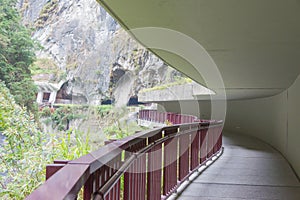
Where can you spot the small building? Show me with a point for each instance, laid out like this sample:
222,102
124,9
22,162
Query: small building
57,93
47,93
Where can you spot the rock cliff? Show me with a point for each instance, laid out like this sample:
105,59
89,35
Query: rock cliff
87,48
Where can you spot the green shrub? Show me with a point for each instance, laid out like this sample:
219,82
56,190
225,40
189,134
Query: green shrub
114,132
70,145
63,115
22,151
104,109
178,81
26,150
45,112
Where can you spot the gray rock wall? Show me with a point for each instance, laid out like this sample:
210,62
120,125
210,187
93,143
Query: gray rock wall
88,45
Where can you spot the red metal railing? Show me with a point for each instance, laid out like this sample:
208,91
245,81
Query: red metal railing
148,165
163,117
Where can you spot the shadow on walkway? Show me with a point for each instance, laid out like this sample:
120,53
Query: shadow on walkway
248,169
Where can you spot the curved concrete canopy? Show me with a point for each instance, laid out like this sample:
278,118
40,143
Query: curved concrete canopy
255,43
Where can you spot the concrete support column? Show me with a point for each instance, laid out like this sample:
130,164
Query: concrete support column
39,98
52,97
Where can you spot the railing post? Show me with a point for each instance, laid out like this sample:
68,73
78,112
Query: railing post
215,139
134,177
170,162
88,188
195,148
154,169
53,168
112,168
203,145
184,143
210,142
220,136
151,115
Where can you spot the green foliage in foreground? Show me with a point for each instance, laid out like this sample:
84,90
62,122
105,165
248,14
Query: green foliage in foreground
16,55
22,152
26,150
63,115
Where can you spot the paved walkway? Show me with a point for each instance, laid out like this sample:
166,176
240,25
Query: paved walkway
248,169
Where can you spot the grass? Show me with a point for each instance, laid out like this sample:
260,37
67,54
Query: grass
46,66
43,66
45,13
179,81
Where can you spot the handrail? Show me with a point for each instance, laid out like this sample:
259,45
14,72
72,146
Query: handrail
100,171
109,184
163,117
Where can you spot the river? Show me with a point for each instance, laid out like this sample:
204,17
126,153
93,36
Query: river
1,142
1,139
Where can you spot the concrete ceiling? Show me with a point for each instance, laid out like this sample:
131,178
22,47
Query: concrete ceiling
254,43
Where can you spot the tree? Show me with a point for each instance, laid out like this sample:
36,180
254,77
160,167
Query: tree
16,55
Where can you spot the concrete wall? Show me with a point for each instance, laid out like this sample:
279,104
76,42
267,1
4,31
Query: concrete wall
276,120
172,93
293,143
183,92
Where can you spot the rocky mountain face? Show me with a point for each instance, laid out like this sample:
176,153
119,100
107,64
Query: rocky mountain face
84,46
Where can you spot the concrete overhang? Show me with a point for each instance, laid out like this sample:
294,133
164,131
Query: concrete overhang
255,44
182,92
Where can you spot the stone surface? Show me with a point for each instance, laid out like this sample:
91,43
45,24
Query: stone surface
90,49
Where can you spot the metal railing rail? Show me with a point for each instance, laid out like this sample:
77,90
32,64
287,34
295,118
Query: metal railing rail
151,165
163,117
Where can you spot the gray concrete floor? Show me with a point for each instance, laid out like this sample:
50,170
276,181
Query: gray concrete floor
248,169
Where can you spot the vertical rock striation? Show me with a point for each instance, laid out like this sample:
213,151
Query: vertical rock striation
90,48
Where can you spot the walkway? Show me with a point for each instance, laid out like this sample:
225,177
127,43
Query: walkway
248,169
